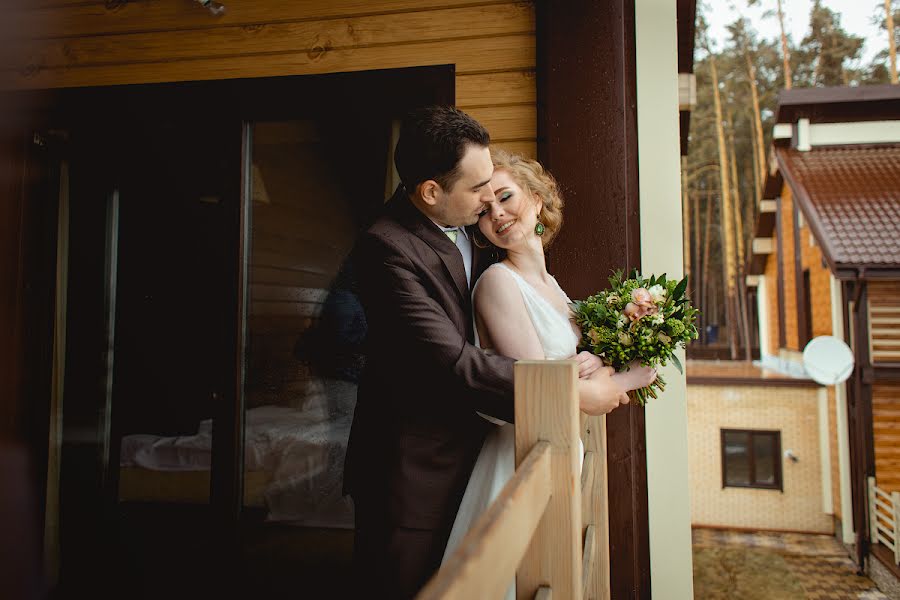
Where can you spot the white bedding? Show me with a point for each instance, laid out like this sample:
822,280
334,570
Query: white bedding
303,449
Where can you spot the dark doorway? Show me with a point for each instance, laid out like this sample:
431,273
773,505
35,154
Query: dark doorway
157,320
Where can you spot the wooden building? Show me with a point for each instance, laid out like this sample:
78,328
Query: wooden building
180,190
826,261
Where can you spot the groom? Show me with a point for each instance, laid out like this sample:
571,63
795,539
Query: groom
415,433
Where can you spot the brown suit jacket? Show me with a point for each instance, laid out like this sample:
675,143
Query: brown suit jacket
415,433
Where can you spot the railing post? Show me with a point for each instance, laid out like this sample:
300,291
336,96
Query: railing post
595,506
895,504
873,512
547,409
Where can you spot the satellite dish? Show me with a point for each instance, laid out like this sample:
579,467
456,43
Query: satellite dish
828,360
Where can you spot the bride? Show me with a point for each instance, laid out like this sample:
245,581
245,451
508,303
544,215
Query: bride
521,312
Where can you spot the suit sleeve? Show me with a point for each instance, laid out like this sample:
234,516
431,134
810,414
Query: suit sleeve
390,281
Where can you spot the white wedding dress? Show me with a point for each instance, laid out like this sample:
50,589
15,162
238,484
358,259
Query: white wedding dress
496,462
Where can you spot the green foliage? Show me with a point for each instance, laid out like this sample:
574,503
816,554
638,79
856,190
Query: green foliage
612,329
828,52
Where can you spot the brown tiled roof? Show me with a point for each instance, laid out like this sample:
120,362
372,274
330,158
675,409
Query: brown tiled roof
850,196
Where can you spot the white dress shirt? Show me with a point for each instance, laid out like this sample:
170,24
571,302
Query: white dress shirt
465,248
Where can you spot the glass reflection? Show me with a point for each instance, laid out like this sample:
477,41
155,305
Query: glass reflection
306,326
764,459
737,458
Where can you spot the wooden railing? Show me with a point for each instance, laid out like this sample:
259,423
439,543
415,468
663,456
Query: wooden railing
548,528
884,518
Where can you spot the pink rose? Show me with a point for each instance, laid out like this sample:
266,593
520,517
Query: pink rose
641,307
635,312
642,297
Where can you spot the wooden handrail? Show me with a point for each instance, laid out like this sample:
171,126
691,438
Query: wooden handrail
485,563
542,528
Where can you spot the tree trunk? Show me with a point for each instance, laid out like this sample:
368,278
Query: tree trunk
892,44
695,241
757,178
741,253
727,218
707,242
785,52
736,196
759,145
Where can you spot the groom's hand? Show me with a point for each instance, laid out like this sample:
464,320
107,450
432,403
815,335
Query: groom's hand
587,364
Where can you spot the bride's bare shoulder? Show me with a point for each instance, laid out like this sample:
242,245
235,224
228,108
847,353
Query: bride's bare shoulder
497,279
497,291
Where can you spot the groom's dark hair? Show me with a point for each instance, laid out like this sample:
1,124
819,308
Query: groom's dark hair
432,142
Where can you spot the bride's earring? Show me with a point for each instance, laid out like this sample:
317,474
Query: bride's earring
479,240
539,227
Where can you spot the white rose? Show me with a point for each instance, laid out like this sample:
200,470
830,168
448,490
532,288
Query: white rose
622,322
625,339
658,293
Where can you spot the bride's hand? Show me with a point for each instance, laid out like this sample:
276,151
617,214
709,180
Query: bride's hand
600,394
636,377
588,364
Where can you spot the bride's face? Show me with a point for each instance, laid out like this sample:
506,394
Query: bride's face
510,219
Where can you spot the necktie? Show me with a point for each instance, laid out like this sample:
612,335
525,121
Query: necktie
452,233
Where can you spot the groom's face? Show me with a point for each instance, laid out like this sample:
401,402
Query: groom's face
471,193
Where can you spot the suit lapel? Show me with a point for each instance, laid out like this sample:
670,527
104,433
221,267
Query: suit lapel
482,258
423,228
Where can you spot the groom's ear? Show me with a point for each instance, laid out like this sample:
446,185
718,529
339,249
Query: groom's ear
430,191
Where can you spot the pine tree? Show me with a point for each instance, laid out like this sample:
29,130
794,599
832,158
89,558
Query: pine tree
892,42
829,48
727,218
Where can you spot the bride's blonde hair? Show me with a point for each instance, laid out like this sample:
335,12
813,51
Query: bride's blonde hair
531,176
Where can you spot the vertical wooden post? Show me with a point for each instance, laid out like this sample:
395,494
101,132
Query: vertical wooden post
595,505
547,409
587,136
873,511
895,504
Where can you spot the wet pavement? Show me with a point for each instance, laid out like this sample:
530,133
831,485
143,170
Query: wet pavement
741,565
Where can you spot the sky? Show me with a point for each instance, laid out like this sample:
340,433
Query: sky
856,18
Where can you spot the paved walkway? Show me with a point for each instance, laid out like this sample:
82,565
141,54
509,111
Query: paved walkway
786,566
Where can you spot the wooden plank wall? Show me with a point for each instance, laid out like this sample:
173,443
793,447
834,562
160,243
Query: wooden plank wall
819,282
884,336
884,321
886,429
94,43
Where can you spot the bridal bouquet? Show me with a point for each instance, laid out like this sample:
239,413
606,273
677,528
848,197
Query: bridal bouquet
638,319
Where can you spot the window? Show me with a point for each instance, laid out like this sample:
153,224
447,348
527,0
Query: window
751,459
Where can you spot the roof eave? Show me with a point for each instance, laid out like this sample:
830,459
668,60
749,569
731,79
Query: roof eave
801,197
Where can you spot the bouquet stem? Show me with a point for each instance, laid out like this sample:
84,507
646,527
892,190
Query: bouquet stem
643,394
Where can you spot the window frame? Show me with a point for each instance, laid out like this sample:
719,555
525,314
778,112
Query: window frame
751,451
